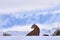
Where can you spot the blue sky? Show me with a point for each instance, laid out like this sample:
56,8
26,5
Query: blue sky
24,12
26,18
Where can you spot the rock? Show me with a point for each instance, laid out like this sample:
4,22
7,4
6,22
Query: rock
45,35
6,34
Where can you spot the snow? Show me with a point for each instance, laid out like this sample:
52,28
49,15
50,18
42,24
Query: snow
30,38
24,33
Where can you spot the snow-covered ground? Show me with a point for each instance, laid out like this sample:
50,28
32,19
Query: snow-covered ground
24,33
30,38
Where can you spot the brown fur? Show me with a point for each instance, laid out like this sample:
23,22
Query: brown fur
35,32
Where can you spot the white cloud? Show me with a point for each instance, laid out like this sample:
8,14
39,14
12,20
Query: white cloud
26,5
56,12
28,27
19,28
